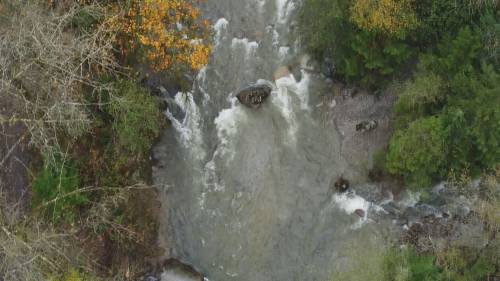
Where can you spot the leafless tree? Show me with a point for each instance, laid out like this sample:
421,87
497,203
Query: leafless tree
50,65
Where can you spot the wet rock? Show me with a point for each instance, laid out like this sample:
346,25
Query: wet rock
360,213
411,215
329,82
281,71
164,91
425,234
366,126
392,209
425,210
254,96
328,68
458,208
341,185
376,174
174,270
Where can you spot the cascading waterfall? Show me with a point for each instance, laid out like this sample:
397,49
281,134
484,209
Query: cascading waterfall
246,191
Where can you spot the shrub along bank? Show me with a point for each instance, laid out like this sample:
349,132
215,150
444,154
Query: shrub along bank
90,125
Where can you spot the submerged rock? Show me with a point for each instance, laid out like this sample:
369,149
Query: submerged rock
360,213
174,270
254,96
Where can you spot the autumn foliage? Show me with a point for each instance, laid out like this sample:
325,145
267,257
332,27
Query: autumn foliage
167,33
391,17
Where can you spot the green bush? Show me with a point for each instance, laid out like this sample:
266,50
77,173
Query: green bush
472,122
55,191
490,37
127,121
439,18
455,83
360,56
407,265
455,54
371,58
323,26
419,98
417,153
136,117
421,267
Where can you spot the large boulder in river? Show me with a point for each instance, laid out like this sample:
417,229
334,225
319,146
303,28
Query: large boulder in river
366,126
174,270
253,96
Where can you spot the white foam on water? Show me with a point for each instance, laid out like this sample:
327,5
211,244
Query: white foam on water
283,52
201,80
303,90
300,88
276,37
261,5
189,131
227,123
349,202
211,178
283,10
210,181
220,28
249,47
283,100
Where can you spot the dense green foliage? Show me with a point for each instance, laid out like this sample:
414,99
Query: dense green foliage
126,125
55,190
461,88
454,266
447,116
372,45
135,117
444,17
360,55
420,97
412,151
395,264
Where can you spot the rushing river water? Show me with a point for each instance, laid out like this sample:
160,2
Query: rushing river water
246,191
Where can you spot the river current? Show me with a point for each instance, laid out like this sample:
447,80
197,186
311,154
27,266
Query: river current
246,192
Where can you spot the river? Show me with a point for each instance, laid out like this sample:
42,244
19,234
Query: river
246,192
